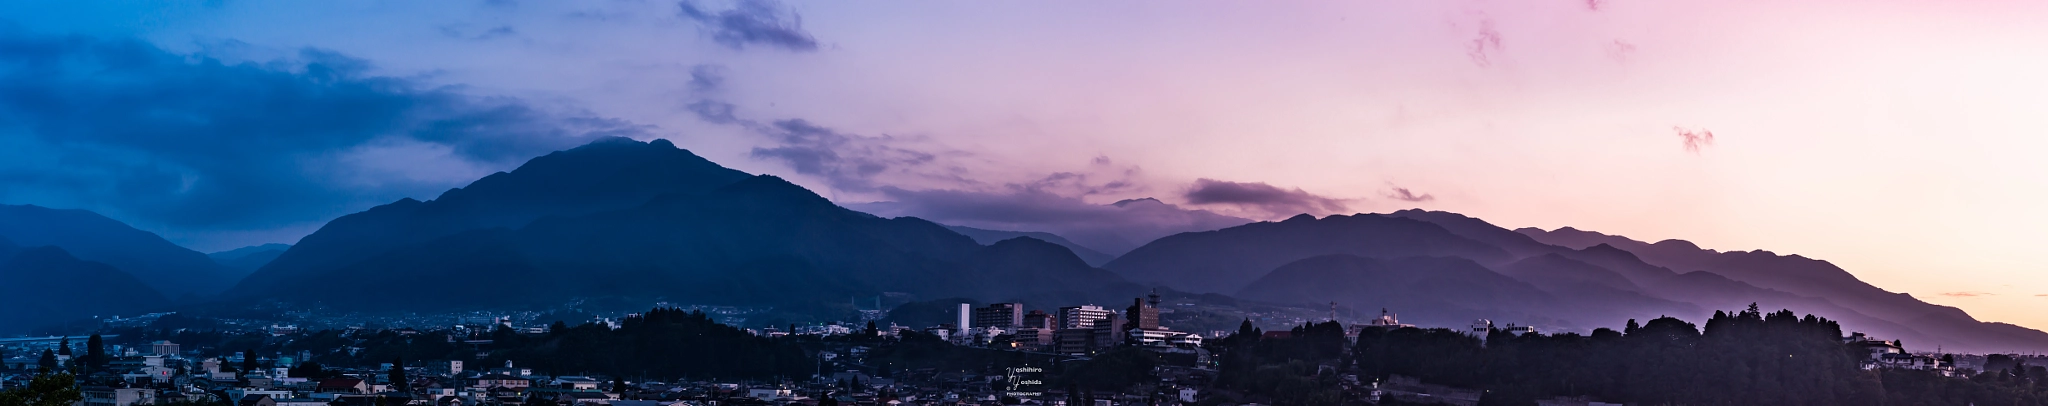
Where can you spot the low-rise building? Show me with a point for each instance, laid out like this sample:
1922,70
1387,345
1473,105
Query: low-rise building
110,396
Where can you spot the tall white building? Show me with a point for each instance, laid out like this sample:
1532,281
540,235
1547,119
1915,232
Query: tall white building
1081,316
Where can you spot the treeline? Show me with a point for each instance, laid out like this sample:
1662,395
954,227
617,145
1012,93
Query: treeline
1742,358
1299,370
660,344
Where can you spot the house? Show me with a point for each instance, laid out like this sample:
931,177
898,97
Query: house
300,402
645,403
576,383
769,394
242,393
502,381
342,385
108,396
256,400
584,398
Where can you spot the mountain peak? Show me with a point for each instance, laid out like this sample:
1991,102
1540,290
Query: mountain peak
606,174
1679,244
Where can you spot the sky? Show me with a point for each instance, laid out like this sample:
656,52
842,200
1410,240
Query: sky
1898,139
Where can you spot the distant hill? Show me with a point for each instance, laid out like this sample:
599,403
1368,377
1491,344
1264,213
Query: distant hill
987,237
1431,290
1112,229
1585,279
620,218
1806,277
44,286
251,257
1224,261
174,271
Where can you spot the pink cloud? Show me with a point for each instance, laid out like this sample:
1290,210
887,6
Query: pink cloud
1695,139
1403,194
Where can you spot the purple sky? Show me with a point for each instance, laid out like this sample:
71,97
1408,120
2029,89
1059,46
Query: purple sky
1895,138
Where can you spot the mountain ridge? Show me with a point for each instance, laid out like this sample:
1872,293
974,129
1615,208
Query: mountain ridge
172,270
753,240
46,285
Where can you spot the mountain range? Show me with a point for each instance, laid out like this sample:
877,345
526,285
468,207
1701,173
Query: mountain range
248,259
1567,278
46,284
619,218
173,271
985,237
648,220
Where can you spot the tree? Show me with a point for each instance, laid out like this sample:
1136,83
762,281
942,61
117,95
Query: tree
871,330
397,375
95,353
64,346
308,370
46,389
48,363
619,385
249,361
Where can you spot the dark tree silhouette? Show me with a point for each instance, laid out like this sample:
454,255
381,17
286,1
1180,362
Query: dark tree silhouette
397,375
95,353
47,363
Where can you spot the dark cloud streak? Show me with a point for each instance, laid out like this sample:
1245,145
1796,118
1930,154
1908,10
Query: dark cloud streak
751,22
459,32
195,143
1263,197
846,161
707,78
1403,194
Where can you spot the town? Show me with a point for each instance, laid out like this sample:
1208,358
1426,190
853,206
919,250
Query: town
992,354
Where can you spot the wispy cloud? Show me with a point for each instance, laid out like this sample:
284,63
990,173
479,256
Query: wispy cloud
845,161
707,78
462,32
1694,139
1966,294
752,22
1485,45
1261,197
1403,194
1620,51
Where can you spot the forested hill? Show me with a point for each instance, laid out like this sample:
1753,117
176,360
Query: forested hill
1742,358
